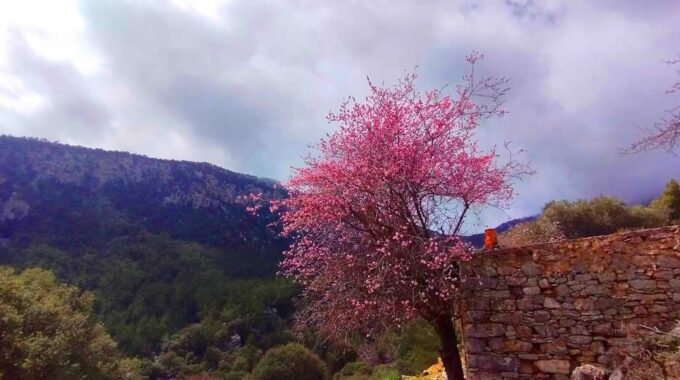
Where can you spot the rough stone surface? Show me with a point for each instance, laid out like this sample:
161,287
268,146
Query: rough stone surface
589,372
553,366
544,310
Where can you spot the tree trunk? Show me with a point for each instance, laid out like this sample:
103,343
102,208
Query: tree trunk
449,352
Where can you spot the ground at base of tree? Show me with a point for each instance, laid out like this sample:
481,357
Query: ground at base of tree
434,372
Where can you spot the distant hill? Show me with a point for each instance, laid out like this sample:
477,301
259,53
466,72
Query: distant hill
73,196
158,241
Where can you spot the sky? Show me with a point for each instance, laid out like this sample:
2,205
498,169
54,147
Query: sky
247,84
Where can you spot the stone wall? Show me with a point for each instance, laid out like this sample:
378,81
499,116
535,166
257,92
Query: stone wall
537,312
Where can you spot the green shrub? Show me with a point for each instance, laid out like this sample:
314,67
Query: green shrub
589,217
669,201
385,372
647,217
600,216
46,331
354,371
418,348
292,361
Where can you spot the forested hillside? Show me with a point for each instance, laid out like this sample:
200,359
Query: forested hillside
182,276
162,244
74,197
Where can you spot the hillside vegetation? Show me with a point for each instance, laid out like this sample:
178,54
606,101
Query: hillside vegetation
603,215
162,245
46,332
159,260
178,273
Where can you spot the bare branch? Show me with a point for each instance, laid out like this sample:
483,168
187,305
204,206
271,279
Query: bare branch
665,133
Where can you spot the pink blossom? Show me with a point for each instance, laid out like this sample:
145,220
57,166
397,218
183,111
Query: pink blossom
375,214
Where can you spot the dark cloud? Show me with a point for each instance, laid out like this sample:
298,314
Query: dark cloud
247,84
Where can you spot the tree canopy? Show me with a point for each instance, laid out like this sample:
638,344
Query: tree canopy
292,361
46,332
600,216
669,201
563,219
375,213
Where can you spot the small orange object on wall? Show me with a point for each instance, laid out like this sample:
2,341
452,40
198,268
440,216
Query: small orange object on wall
490,238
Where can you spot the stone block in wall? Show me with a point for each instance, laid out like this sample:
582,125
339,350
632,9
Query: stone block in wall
541,316
515,281
477,303
603,329
484,330
532,290
669,262
557,267
474,346
562,290
504,345
503,305
546,331
523,331
602,303
527,304
532,269
674,283
553,366
494,293
555,347
642,284
663,275
606,277
512,318
477,316
497,363
509,271
591,290
579,340
551,303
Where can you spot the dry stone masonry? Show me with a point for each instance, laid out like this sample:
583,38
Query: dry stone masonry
538,312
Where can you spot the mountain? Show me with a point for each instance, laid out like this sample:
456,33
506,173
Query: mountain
161,243
74,196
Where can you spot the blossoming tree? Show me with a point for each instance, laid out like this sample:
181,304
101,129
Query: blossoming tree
376,212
